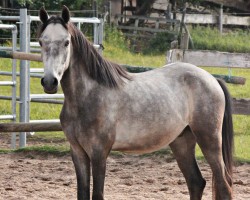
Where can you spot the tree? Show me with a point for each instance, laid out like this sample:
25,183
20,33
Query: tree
55,4
243,5
143,6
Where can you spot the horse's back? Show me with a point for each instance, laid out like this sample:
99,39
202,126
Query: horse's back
179,80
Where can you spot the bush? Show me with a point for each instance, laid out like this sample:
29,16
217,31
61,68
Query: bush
160,43
115,38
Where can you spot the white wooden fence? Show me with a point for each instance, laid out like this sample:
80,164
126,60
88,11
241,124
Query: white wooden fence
210,58
213,19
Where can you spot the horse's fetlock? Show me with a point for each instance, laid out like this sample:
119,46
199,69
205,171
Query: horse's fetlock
97,197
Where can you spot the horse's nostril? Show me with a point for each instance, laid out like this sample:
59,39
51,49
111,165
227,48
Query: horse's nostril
42,81
55,82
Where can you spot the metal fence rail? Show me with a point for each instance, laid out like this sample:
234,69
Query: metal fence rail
11,83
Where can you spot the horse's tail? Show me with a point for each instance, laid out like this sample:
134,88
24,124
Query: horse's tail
227,134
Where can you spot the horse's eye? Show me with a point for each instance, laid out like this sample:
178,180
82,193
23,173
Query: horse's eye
40,43
66,43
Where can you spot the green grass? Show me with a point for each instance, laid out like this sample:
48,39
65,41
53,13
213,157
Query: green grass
52,149
241,151
59,150
206,38
116,50
239,91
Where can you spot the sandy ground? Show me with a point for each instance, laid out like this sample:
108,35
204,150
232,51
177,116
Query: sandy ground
33,176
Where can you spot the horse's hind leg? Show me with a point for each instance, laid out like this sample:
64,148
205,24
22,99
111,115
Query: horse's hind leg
210,144
183,148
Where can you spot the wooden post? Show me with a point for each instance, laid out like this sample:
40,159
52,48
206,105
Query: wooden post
231,79
110,13
220,24
30,127
184,41
20,55
182,21
241,106
94,7
136,26
156,25
190,40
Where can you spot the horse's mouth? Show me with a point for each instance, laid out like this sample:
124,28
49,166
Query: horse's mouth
51,91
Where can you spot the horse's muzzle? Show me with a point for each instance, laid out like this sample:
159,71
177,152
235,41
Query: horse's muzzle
50,85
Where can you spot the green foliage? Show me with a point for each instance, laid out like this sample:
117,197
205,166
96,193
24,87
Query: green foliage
55,4
205,38
160,43
115,38
24,2
117,50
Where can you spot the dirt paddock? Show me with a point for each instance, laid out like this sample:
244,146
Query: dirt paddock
33,176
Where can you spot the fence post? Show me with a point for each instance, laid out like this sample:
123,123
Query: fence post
221,19
182,21
184,41
94,7
100,35
24,75
14,62
110,13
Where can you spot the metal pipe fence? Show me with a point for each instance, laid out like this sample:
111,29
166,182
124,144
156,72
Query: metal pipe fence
11,83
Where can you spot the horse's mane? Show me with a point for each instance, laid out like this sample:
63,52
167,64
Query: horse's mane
103,71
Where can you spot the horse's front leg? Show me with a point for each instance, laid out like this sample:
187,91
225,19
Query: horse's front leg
82,168
98,162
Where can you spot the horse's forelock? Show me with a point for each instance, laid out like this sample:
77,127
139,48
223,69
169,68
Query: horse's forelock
52,20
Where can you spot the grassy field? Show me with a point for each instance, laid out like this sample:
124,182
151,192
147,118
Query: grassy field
117,52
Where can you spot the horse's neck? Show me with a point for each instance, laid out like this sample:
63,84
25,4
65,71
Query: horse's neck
76,84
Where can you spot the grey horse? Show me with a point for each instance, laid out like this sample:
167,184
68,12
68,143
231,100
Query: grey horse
106,108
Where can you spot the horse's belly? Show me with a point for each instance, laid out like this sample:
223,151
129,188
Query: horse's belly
143,138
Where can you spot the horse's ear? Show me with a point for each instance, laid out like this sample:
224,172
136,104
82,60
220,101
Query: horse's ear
65,14
43,15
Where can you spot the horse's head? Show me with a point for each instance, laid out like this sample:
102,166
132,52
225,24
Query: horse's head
55,42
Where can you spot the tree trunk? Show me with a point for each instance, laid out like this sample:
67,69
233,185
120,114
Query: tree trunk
142,7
